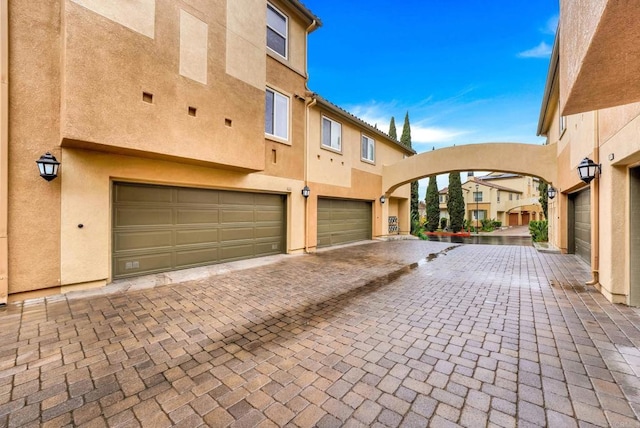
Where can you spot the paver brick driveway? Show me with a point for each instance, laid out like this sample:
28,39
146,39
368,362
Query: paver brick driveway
408,333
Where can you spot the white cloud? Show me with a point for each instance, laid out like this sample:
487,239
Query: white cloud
543,50
378,114
551,25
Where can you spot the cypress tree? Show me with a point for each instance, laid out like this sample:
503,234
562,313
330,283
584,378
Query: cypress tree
406,132
405,139
455,204
392,129
433,205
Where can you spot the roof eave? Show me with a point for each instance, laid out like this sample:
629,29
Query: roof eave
550,86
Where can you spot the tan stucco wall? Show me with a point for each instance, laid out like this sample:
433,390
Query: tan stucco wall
34,128
600,54
86,200
107,68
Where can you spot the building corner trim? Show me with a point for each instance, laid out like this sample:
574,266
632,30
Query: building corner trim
4,151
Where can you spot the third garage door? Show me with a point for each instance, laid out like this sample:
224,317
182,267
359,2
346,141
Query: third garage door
161,228
341,221
582,224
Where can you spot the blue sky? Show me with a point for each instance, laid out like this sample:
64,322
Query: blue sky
467,71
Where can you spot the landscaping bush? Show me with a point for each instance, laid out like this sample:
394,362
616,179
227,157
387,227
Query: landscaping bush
539,230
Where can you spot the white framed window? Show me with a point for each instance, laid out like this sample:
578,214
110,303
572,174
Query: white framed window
511,196
277,31
276,118
443,199
368,150
479,214
331,134
477,196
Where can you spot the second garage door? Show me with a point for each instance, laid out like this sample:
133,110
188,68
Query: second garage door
341,221
160,228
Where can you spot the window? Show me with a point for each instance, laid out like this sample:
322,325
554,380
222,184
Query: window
368,148
517,197
498,194
276,31
479,214
443,199
331,134
563,122
276,120
511,196
477,196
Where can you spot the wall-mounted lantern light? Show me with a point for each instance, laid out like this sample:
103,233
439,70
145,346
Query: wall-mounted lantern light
383,199
48,166
551,192
306,191
588,169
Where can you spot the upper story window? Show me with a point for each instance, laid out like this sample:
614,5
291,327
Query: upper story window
563,122
368,149
511,196
277,33
498,195
443,199
477,196
276,118
331,134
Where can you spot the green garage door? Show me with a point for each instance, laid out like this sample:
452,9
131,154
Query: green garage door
341,221
582,224
160,228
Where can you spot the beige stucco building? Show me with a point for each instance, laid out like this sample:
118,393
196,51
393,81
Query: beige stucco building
591,109
512,199
185,132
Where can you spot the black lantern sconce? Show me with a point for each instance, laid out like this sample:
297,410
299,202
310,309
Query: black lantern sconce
306,191
588,169
48,166
551,192
383,199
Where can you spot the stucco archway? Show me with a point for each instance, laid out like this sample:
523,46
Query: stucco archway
526,159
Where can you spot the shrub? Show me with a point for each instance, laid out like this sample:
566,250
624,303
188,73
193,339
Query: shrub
539,230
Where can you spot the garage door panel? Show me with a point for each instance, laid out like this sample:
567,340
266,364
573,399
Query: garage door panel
268,247
268,232
236,216
196,257
270,216
199,216
236,234
197,196
236,198
139,216
196,236
125,241
135,265
158,228
242,251
138,194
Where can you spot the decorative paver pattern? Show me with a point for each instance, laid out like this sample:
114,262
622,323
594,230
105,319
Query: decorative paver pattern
403,333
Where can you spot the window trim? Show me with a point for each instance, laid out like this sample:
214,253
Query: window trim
322,145
362,158
288,98
476,195
286,36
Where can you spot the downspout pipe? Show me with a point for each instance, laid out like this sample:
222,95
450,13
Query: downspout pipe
308,105
595,190
4,151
